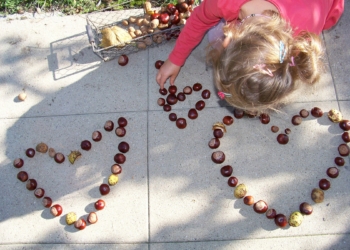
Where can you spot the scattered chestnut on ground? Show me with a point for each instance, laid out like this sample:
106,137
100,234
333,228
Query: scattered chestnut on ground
59,158
324,184
240,191
344,150
295,219
248,200
172,89
39,193
339,161
333,172
122,122
30,152
96,136
181,96
80,224
304,113
109,125
192,114
92,218
22,176
116,169
181,123
282,139
316,112
218,157
238,113
227,120
123,147
120,132
260,207
270,213
287,131
85,145
344,125
161,101
264,118
317,195
42,147
123,60
200,105
274,129
104,189
119,158
31,184
158,64
232,181
52,152
171,99
335,115
99,204
46,201
214,143
226,171
163,91
297,120
172,117
305,208
218,133
187,90
281,220
197,86
18,163
206,94
56,210
346,137
167,108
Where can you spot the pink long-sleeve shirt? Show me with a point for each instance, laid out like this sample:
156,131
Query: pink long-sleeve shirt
303,15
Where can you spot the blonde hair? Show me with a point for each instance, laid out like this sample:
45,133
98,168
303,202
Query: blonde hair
257,41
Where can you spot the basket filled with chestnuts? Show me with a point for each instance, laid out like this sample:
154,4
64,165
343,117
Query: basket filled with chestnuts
116,31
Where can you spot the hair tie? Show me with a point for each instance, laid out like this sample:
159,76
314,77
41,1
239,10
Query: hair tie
283,52
292,63
222,95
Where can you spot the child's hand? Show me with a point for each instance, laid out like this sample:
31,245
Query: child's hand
168,70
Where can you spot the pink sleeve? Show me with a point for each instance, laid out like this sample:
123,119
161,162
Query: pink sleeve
336,11
203,17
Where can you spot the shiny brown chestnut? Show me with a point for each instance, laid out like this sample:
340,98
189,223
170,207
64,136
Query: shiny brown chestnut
56,210
344,150
226,171
218,157
260,207
281,220
109,125
22,176
346,137
182,7
39,192
30,152
238,113
116,169
275,129
344,125
333,172
297,120
200,105
214,143
248,200
158,64
305,208
31,184
270,213
171,99
187,90
282,139
181,96
172,89
264,118
197,86
227,120
161,101
92,218
46,201
232,181
18,163
167,108
80,224
119,158
100,204
122,122
192,114
59,158
85,145
123,147
96,136
324,184
104,189
218,133
181,123
172,117
120,132
339,161
163,91
123,60
316,112
206,94
304,113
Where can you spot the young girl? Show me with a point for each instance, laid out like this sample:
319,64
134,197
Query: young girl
268,46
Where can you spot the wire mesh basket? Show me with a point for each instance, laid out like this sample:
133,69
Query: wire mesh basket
107,18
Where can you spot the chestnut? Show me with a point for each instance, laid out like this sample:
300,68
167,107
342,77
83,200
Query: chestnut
56,210
295,219
264,118
172,89
123,147
116,169
171,99
232,181
218,157
281,220
52,152
339,161
346,137
275,129
316,112
120,132
161,101
192,114
182,7
270,213
30,152
158,64
164,18
248,200
92,218
181,123
324,184
46,201
187,90
113,179
304,113
80,224
344,150
104,189
181,96
22,176
109,125
197,86
240,191
167,108
333,172
170,8
96,136
238,113
42,147
282,139
214,143
123,60
200,105
163,91
287,131
39,192
296,120
85,145
344,125
226,171
206,94
100,204
18,163
172,117
260,207
305,208
317,195
122,122
31,184
71,217
119,158
218,133
227,120
59,158
335,115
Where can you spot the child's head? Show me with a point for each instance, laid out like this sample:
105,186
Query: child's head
263,61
